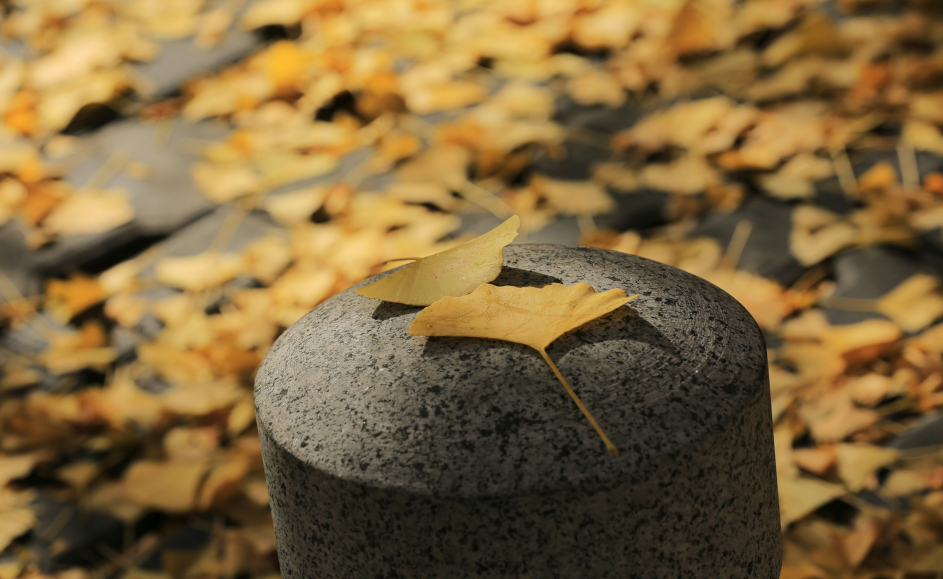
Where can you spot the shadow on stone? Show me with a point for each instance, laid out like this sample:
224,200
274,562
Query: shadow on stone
442,346
620,324
388,310
512,276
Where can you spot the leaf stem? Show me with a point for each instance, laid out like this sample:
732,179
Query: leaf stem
609,446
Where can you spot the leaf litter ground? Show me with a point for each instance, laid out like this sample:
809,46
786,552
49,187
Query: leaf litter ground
127,392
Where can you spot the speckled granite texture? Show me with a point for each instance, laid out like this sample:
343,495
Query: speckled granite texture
395,456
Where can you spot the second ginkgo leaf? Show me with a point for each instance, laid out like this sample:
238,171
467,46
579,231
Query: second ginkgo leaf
453,272
531,316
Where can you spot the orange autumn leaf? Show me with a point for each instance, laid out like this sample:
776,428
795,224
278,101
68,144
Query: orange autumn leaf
453,272
66,298
531,316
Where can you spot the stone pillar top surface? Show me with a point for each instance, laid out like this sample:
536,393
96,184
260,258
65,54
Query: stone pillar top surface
349,392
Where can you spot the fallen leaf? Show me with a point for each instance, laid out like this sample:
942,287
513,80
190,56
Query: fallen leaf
857,462
573,197
795,179
842,421
596,87
856,544
534,317
816,460
170,486
66,298
16,515
914,304
223,481
453,272
224,182
818,234
86,212
296,206
692,31
880,177
199,272
923,136
17,466
79,474
190,444
800,496
687,176
445,164
266,258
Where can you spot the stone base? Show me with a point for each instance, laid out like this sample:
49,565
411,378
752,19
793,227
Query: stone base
395,456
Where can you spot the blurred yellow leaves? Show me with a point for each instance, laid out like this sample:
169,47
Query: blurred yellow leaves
199,272
87,212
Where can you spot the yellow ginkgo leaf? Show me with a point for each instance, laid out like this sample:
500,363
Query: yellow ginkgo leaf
531,316
453,272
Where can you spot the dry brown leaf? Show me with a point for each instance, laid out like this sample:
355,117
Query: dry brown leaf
296,206
684,125
923,136
818,234
692,31
903,483
856,544
880,177
16,377
189,444
201,399
800,496
842,420
199,272
435,193
224,182
17,466
596,87
688,175
79,474
444,164
122,404
12,194
817,460
177,366
66,298
914,304
86,212
66,354
445,97
872,388
857,462
169,486
795,179
16,516
266,258
573,197
281,168
125,309
453,272
534,317
223,481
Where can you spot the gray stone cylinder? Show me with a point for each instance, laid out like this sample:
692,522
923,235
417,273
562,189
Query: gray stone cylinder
396,456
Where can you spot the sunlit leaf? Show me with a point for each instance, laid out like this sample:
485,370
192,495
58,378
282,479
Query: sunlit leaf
453,272
531,316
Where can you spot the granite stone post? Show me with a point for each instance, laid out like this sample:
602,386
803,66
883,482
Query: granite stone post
396,456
